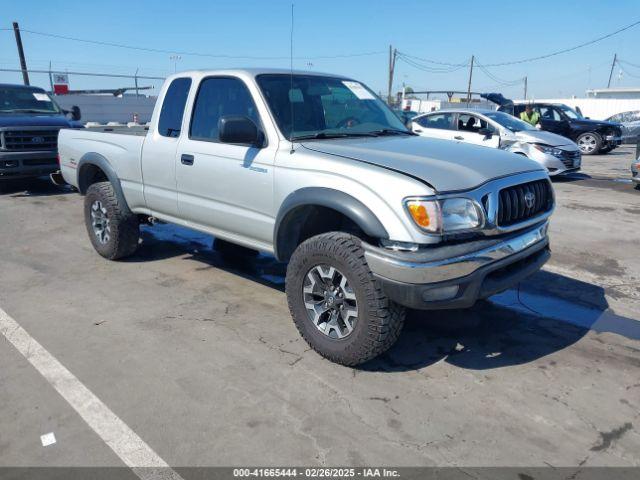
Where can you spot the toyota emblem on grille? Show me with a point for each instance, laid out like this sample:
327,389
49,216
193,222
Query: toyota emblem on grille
529,199
37,140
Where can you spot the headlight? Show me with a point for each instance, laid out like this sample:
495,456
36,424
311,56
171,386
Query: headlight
446,215
556,152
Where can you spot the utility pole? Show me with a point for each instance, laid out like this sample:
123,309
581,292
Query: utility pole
392,65
470,77
23,62
525,88
51,79
613,65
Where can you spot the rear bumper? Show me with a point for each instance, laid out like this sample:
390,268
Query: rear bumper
27,164
457,276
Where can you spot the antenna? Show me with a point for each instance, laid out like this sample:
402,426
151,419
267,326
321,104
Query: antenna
291,77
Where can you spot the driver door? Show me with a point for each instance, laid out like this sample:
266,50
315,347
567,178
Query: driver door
552,120
223,188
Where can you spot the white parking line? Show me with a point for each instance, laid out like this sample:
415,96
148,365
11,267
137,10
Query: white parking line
125,443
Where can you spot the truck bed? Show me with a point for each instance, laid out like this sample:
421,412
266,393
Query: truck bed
121,149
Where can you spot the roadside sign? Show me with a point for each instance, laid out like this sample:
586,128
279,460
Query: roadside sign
60,83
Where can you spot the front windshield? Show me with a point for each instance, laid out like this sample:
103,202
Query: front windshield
569,112
26,100
509,122
311,106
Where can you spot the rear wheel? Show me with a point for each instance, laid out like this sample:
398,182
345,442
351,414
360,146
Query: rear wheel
337,304
114,231
589,143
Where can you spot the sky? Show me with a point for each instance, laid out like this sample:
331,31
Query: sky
451,32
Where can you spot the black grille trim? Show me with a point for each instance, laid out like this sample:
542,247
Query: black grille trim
512,207
23,140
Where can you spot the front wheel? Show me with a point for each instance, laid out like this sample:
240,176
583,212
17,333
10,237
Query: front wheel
114,231
336,303
589,143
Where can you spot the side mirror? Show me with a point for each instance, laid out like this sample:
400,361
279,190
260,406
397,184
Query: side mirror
240,130
486,132
75,113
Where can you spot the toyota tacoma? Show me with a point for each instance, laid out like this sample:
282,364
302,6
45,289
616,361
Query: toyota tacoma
318,171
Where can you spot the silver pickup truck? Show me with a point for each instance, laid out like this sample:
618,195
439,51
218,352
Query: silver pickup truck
316,170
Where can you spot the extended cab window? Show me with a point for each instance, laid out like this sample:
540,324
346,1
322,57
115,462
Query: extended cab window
170,121
442,121
219,97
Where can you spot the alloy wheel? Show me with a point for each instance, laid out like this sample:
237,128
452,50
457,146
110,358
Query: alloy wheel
100,222
330,301
587,143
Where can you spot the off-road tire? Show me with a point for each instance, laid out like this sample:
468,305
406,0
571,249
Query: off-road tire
597,145
124,225
379,321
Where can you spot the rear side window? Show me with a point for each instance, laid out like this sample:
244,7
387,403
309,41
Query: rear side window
218,97
170,121
442,121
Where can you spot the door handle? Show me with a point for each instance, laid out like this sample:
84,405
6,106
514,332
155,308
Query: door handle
458,137
186,159
417,130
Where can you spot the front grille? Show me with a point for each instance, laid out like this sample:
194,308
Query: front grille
30,140
568,157
524,201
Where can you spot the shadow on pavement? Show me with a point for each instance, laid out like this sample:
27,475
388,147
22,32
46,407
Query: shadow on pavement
546,313
31,187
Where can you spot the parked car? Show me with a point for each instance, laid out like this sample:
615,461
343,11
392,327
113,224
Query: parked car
318,171
490,128
29,123
592,136
405,115
630,122
635,172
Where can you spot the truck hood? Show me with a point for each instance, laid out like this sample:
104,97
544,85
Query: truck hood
443,164
31,120
546,138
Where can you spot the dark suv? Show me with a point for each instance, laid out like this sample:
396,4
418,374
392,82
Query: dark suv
592,136
29,125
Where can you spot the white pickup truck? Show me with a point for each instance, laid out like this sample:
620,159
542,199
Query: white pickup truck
318,171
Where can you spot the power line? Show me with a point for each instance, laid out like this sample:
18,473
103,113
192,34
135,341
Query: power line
565,50
195,54
530,59
628,63
425,68
435,62
498,80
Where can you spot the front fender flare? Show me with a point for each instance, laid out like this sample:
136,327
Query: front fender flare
337,200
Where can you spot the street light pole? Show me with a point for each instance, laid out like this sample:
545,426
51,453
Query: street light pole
174,59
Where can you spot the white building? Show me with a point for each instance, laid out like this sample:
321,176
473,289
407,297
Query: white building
618,93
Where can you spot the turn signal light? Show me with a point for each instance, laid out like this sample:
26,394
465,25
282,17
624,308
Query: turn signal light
419,214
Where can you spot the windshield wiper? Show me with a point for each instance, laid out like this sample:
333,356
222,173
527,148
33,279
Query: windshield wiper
392,131
325,135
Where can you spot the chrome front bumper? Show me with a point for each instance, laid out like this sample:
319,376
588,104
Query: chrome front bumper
408,271
458,275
